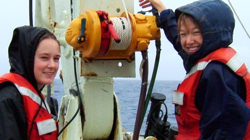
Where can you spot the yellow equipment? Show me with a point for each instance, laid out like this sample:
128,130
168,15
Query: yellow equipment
91,33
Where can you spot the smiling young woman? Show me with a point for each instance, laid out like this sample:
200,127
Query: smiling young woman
34,55
46,61
216,89
190,33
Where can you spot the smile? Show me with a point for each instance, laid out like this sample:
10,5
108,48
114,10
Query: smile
193,48
49,73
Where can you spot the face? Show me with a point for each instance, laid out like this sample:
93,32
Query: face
46,62
190,36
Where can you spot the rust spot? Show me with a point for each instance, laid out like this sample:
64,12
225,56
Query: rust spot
90,74
105,136
118,10
104,90
64,133
55,23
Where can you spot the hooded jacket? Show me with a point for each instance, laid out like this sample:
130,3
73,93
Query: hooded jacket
220,93
189,116
13,124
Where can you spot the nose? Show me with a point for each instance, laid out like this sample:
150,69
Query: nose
52,63
190,39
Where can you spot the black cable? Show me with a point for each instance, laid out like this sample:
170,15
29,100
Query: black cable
69,121
41,97
79,97
42,101
40,106
156,14
153,77
150,113
166,113
157,131
31,13
155,121
76,80
156,64
139,115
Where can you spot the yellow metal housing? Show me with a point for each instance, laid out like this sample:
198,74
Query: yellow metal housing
91,46
143,27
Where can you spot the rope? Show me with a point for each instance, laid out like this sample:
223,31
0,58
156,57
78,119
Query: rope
238,18
123,29
126,11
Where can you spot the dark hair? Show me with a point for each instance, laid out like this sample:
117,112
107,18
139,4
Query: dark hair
47,36
184,18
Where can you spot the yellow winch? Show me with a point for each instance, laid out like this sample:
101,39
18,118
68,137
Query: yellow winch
99,36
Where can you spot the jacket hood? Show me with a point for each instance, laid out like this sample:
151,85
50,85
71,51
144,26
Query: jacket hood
217,24
22,50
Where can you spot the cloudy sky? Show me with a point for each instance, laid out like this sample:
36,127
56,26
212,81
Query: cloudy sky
15,13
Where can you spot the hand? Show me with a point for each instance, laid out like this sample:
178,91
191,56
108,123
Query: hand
156,3
145,3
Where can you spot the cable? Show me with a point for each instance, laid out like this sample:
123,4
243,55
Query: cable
125,8
238,18
31,12
76,80
79,98
142,96
160,102
40,106
69,121
157,131
156,64
155,122
152,81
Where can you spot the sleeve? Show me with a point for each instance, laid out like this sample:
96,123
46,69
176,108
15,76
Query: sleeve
220,98
13,123
169,25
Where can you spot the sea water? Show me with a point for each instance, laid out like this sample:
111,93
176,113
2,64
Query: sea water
128,93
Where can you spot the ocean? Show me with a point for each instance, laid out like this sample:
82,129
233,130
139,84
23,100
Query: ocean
128,92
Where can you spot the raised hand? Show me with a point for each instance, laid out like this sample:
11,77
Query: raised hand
156,3
145,3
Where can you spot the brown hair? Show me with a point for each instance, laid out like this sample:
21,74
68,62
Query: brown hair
47,36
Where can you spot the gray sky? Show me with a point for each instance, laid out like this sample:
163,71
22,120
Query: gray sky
15,13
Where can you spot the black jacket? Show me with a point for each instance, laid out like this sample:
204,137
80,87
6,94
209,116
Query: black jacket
221,94
13,125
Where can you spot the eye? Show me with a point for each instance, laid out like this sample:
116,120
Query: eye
196,32
56,59
183,34
44,57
